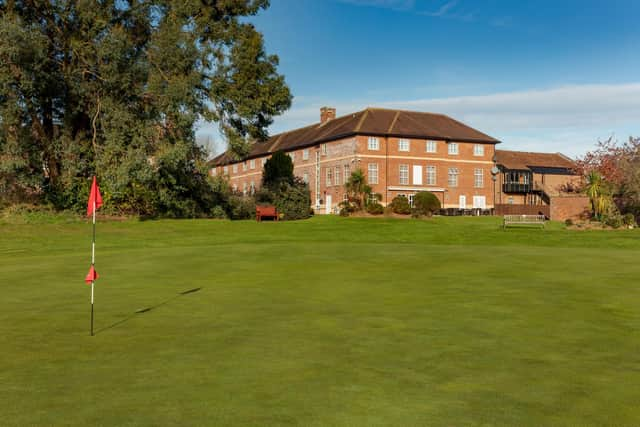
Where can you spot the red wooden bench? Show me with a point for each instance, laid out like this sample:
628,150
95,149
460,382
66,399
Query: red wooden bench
266,212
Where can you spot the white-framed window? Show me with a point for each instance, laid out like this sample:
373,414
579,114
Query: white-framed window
244,188
244,166
373,198
410,198
225,170
252,187
305,177
329,172
431,175
345,197
373,143
453,177
453,148
292,156
478,150
372,176
214,172
235,188
478,178
431,147
264,161
252,164
404,174
305,154
347,172
235,168
403,145
337,175
323,149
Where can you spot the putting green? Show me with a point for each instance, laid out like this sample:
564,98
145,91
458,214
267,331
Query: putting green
330,321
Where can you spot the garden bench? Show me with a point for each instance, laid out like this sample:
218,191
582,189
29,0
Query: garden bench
523,220
266,212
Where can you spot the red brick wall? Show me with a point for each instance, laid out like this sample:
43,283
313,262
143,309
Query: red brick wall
355,153
573,207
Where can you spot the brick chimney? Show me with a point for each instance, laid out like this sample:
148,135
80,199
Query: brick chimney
326,114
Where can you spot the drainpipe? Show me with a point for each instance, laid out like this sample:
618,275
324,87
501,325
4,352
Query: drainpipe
386,172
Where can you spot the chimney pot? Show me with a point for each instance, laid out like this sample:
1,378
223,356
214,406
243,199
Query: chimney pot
326,114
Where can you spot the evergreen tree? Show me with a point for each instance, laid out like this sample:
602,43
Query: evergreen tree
277,169
116,87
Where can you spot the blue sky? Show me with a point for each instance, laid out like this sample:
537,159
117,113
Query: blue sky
543,75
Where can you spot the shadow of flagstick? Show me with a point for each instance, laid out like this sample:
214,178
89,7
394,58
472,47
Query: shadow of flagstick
146,310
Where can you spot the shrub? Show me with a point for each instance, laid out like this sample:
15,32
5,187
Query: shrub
614,221
241,207
293,200
568,222
375,208
400,205
629,219
346,208
425,203
218,213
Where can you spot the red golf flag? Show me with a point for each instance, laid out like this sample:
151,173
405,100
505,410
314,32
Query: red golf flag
91,275
94,197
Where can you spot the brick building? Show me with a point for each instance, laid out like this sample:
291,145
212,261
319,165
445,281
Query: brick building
400,152
538,183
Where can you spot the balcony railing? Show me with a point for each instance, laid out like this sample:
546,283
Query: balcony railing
517,187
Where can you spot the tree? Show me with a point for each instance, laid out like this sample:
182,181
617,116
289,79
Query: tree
114,86
359,193
277,169
599,193
612,174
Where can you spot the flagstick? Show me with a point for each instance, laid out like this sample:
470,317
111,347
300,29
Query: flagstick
93,259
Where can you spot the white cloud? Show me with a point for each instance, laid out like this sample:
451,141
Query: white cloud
442,11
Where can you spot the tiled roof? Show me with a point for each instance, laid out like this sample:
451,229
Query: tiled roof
522,160
372,121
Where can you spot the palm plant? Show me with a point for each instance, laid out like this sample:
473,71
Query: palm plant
358,191
598,192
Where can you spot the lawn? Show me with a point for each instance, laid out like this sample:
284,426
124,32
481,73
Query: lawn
325,322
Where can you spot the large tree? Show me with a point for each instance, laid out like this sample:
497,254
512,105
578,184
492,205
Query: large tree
117,86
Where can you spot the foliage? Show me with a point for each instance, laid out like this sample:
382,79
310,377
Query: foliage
357,190
375,209
277,169
400,205
291,199
115,88
629,219
241,207
614,220
425,203
568,222
619,168
599,192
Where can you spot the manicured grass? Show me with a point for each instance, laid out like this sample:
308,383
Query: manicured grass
331,321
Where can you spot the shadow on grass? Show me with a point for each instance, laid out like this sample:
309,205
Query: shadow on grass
146,310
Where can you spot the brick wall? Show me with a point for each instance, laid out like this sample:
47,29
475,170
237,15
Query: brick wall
354,153
573,207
